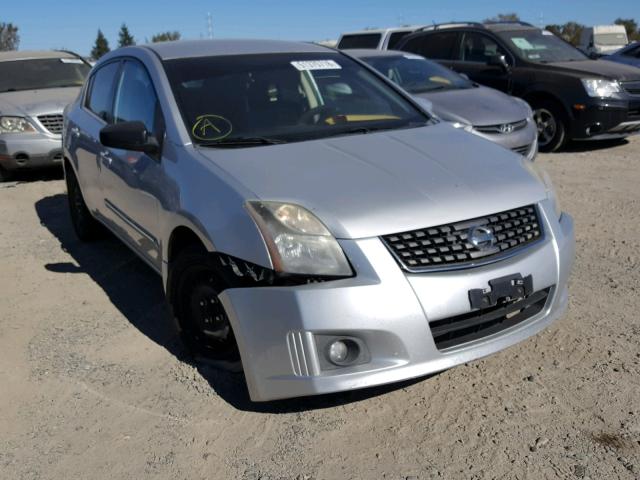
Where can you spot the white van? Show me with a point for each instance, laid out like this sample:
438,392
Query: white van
380,39
603,39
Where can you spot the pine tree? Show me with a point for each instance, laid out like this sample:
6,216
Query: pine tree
101,46
124,37
166,37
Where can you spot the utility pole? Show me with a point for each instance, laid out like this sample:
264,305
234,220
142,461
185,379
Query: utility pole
209,25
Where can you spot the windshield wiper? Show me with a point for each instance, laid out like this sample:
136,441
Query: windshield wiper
242,142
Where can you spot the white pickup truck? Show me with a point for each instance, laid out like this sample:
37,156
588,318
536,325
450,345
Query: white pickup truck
380,39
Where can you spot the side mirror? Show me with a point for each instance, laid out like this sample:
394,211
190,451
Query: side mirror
499,61
129,136
594,56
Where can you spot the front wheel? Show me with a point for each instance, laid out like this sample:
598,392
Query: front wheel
551,126
200,315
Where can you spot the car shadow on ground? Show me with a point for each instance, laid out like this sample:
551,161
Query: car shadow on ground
594,145
36,175
136,291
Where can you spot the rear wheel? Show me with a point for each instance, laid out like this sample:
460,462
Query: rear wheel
86,227
551,125
201,317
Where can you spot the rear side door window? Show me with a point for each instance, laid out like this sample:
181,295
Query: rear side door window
100,95
395,38
364,40
436,46
136,98
479,48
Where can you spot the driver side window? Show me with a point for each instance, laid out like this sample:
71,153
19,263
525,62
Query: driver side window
479,48
136,98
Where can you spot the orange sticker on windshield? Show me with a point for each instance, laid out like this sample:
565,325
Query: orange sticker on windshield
211,127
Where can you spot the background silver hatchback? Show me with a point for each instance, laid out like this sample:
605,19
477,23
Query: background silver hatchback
308,219
483,111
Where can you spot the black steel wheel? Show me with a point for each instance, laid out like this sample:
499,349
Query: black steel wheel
201,317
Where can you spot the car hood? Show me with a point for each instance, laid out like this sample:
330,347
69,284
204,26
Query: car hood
367,185
611,70
477,106
37,102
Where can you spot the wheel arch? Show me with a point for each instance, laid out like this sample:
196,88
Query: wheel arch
535,96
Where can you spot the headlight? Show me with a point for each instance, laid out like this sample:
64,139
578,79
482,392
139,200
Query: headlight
297,241
463,126
542,175
597,87
15,125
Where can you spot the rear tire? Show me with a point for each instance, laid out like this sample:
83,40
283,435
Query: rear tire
552,125
86,227
194,287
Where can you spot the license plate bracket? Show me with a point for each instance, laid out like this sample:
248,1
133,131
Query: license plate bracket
502,290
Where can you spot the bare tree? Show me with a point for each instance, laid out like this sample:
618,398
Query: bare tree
9,38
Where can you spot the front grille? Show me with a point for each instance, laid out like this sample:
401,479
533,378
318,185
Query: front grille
501,128
523,150
53,123
632,87
448,246
453,331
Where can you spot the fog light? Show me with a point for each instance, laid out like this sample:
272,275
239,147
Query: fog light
343,352
338,352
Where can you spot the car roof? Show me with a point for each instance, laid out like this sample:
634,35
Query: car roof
215,48
34,54
370,52
408,28
491,26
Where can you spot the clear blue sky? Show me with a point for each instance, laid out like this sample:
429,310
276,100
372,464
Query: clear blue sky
73,24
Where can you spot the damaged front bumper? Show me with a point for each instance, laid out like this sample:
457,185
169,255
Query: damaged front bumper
282,330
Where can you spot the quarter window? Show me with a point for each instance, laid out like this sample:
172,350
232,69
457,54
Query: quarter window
100,99
479,48
136,98
364,40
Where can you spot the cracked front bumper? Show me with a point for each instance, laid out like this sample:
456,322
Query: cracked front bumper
389,311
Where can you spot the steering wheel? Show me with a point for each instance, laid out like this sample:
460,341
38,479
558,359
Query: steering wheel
317,115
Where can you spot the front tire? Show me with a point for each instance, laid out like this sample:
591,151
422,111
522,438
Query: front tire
194,288
551,124
86,227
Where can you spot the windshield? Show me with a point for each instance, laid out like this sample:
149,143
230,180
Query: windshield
416,74
41,73
276,98
611,39
535,46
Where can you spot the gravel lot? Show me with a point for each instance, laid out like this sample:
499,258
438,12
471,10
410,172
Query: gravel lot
93,383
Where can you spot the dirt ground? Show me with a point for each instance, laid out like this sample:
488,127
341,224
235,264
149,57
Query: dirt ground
94,384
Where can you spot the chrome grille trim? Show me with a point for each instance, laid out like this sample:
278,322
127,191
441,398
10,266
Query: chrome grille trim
499,129
409,248
52,123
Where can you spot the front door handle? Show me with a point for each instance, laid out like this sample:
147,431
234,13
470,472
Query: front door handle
106,158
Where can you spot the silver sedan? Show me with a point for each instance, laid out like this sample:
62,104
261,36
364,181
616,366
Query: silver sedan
311,223
483,111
